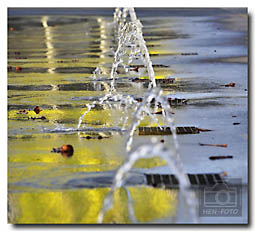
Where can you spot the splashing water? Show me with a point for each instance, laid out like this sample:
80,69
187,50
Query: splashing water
149,151
131,46
143,47
90,106
138,114
97,74
131,42
119,18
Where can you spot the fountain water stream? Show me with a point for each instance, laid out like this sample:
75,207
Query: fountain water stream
131,44
130,35
172,157
131,40
174,163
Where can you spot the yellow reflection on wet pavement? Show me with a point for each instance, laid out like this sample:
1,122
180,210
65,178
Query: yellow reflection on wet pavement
83,206
48,40
66,54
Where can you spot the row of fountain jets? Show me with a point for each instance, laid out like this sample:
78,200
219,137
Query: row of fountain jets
132,46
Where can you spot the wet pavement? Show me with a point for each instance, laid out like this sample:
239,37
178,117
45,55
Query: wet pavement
203,50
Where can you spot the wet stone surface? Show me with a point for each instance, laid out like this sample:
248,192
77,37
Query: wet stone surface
51,58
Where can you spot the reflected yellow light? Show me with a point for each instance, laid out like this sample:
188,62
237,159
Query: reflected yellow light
83,206
48,41
103,42
151,203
